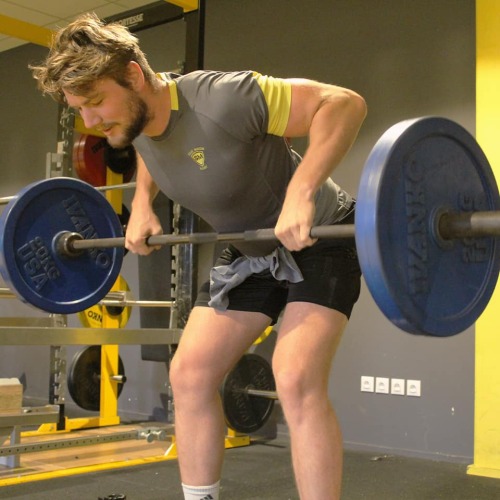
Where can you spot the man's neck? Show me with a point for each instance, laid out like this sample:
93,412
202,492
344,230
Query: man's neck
159,105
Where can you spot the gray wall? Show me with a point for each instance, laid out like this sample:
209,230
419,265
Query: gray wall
407,59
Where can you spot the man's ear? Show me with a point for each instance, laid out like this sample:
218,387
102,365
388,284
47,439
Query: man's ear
136,76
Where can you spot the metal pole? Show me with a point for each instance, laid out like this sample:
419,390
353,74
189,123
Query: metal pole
126,185
115,299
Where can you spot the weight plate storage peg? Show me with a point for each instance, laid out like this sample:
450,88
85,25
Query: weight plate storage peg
30,262
244,412
84,378
417,171
97,315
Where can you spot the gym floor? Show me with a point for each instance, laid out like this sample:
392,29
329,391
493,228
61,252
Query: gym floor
262,471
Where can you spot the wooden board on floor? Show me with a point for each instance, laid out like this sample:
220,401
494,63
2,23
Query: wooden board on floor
88,458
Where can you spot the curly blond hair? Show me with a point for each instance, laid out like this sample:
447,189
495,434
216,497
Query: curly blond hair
85,51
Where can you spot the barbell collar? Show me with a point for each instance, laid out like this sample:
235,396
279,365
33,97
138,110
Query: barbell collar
64,243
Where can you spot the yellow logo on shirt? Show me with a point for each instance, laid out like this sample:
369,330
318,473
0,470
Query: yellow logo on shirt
198,155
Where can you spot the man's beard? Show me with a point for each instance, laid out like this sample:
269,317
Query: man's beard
140,117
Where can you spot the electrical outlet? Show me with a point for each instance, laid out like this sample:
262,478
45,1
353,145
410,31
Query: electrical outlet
367,384
413,388
382,385
398,386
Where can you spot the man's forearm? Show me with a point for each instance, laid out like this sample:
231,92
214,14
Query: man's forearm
146,188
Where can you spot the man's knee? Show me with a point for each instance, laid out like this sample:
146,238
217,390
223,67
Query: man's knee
299,390
183,377
290,385
189,377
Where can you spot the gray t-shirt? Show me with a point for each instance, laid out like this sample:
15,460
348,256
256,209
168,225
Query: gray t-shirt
223,155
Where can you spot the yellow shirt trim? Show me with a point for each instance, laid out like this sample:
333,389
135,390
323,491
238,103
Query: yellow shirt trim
174,99
278,95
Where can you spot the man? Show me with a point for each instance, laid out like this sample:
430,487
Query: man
215,143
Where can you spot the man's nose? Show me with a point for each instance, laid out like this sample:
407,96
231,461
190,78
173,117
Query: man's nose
90,118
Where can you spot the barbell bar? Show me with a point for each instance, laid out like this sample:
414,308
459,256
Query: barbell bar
427,217
448,226
71,243
468,225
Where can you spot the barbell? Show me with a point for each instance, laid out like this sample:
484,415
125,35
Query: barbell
84,378
427,217
248,394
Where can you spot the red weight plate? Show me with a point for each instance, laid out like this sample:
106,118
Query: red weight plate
90,154
88,159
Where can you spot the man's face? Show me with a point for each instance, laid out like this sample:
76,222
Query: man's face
117,112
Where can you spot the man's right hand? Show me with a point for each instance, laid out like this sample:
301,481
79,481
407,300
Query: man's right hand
141,225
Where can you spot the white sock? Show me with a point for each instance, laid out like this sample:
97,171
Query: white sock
201,492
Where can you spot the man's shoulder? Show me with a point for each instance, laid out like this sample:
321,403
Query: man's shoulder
213,78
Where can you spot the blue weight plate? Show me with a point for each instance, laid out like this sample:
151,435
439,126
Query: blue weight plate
423,284
29,262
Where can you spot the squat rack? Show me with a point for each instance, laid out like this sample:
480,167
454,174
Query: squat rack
54,331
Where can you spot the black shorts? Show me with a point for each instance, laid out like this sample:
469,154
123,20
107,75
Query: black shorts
332,278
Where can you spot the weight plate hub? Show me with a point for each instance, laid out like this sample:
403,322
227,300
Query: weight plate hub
91,155
29,261
121,161
243,412
84,378
418,169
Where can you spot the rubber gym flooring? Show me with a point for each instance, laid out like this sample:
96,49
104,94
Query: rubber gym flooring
262,471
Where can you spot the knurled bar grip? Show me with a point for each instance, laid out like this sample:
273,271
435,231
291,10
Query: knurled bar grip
335,231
